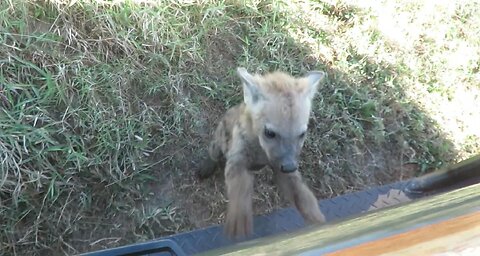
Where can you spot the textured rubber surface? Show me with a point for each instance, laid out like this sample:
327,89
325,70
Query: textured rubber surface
287,220
163,247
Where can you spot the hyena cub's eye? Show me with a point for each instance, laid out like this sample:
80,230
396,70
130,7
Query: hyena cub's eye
302,135
269,133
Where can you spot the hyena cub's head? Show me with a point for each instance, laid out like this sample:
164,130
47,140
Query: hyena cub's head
280,107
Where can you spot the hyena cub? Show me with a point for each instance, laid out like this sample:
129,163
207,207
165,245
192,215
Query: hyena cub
268,128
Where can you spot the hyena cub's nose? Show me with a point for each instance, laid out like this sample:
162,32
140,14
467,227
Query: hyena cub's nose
289,167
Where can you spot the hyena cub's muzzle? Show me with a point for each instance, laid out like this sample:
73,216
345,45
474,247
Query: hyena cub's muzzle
288,166
285,158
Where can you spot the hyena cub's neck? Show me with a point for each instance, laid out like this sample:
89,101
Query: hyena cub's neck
253,153
246,123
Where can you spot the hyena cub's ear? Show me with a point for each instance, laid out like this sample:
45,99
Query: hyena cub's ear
314,78
251,93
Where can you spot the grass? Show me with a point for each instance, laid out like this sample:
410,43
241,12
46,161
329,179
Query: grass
106,106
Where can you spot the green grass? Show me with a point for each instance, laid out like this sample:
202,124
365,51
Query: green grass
106,108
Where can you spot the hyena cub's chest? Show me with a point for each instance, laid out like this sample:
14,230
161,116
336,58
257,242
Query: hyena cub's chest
257,159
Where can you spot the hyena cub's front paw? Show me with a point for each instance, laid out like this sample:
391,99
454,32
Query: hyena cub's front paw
239,223
314,216
308,206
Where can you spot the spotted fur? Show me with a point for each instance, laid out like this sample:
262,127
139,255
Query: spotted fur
267,129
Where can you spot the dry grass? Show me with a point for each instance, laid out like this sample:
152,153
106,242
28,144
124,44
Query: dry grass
106,106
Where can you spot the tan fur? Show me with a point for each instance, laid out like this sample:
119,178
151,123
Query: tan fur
277,102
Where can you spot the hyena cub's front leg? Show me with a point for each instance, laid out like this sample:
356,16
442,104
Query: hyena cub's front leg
297,192
239,181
